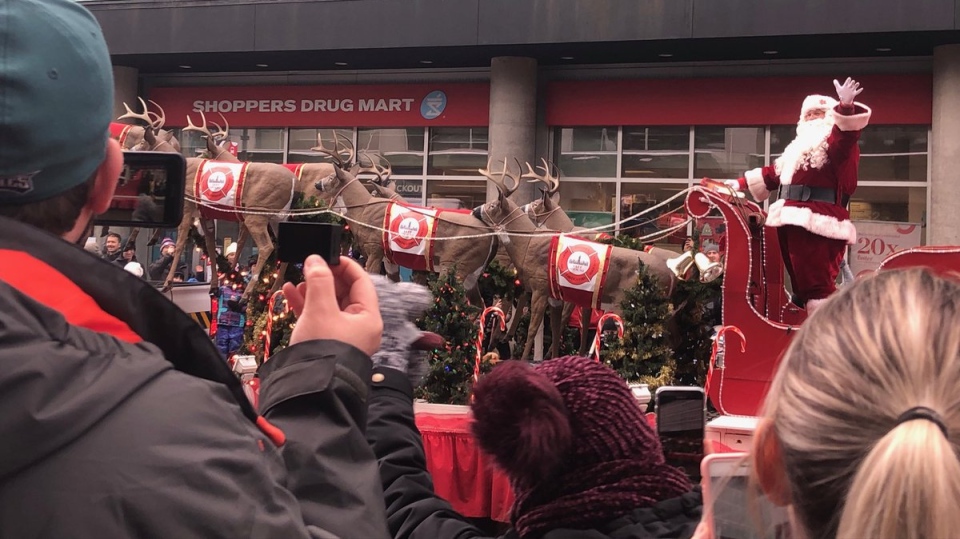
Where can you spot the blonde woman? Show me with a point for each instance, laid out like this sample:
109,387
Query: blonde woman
859,435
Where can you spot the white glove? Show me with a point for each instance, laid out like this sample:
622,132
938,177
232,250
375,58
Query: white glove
848,91
732,184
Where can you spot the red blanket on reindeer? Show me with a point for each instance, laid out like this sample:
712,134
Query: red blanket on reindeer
409,234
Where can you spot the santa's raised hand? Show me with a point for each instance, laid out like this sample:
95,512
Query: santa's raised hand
848,91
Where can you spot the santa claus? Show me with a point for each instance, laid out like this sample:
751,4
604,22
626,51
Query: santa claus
816,175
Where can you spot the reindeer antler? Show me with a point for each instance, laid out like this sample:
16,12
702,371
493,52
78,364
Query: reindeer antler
503,175
382,173
337,150
145,116
161,118
221,134
552,182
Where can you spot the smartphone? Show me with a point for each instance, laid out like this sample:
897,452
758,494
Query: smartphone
681,424
732,511
149,192
298,240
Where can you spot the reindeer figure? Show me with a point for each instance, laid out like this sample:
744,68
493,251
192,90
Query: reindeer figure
268,189
529,248
469,257
546,213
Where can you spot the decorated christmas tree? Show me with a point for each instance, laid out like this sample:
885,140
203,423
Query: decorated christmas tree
644,354
696,316
450,374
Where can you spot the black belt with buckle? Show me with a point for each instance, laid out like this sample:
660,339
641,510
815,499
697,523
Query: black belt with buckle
805,193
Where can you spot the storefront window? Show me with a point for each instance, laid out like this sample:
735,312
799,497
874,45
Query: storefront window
587,152
457,151
302,140
727,152
260,145
901,204
887,152
656,152
636,198
589,204
894,153
780,136
456,194
401,147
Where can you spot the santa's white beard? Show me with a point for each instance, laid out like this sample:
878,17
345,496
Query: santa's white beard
808,150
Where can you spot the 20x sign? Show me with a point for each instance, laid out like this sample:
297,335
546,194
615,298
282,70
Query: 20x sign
877,240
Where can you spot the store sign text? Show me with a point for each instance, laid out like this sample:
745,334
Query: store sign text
304,105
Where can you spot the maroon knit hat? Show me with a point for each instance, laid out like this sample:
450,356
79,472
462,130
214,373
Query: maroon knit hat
573,440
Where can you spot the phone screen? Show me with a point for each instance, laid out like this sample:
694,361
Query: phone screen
680,425
149,192
737,515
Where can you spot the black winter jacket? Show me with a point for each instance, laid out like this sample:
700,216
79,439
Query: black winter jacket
120,418
414,511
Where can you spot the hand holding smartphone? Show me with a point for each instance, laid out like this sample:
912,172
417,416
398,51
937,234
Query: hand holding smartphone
730,510
298,240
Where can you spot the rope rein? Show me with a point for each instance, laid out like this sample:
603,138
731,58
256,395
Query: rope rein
489,233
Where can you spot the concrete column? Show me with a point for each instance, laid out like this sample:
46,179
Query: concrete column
944,224
125,88
513,116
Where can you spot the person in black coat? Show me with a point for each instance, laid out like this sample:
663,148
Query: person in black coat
581,457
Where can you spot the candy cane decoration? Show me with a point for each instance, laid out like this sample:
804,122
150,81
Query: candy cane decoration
270,315
716,348
483,317
597,339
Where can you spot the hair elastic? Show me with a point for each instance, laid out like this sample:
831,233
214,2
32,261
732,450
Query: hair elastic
922,412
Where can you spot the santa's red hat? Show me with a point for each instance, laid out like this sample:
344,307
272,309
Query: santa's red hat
816,102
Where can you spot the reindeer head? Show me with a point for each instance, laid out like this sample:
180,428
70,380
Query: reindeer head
548,202
215,141
154,138
344,170
500,212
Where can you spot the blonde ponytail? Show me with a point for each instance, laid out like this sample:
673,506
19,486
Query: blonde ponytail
856,465
907,487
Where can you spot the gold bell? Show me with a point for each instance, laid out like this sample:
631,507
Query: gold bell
680,265
709,271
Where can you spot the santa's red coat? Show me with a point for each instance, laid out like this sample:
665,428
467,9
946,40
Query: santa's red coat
813,263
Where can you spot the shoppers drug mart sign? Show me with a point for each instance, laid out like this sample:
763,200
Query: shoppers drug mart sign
395,105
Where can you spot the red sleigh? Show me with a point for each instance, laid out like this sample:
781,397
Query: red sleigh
756,302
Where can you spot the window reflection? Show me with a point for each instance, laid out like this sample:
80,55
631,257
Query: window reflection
401,147
587,152
589,204
656,152
302,140
727,152
456,194
639,197
457,151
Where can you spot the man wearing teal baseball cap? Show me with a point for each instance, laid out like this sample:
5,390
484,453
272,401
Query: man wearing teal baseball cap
119,416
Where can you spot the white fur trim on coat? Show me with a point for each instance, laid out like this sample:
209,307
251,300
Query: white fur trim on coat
822,225
852,122
755,184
